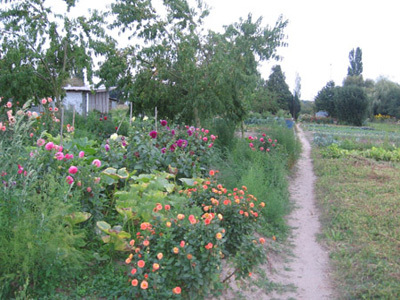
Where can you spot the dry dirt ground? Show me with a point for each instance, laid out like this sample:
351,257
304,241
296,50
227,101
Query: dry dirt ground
298,269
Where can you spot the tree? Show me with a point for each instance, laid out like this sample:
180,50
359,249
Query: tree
386,98
356,65
325,99
295,105
41,49
187,74
351,104
278,88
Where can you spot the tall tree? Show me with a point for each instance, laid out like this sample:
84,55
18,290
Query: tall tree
325,99
278,87
356,65
295,104
351,104
41,49
189,74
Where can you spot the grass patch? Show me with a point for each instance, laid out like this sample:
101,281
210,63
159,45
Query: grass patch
264,174
361,220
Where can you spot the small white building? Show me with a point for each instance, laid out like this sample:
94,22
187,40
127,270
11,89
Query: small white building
85,99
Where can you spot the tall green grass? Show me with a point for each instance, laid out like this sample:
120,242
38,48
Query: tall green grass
264,174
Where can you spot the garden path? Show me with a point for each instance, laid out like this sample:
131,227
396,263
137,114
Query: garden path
299,269
308,268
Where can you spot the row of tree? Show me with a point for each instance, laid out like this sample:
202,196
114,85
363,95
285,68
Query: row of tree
173,64
358,99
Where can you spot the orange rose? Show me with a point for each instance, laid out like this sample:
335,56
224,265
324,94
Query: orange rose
177,290
218,236
141,263
175,250
144,285
135,282
160,256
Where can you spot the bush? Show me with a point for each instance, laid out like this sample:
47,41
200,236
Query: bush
351,105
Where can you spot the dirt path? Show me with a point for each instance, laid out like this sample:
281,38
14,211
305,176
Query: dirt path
308,269
299,268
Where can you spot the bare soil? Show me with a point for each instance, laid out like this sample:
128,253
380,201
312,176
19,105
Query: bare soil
299,268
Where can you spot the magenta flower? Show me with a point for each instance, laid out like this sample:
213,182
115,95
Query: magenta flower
69,179
81,154
213,137
262,140
181,143
251,145
189,132
107,147
209,146
49,146
59,156
153,134
172,148
163,150
163,123
40,142
72,170
69,156
97,163
205,139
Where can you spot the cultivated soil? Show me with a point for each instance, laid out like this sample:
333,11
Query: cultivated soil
299,268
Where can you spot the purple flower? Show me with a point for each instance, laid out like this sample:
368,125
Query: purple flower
163,122
189,132
153,134
173,132
107,147
163,150
181,143
172,148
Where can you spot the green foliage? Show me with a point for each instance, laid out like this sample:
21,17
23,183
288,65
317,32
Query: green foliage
356,65
188,75
325,99
277,86
41,50
351,105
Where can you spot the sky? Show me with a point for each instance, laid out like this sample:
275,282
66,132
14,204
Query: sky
320,34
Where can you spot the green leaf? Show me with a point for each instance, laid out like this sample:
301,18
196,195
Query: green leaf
103,226
77,217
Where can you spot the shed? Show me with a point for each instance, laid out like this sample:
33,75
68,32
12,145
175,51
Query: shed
85,99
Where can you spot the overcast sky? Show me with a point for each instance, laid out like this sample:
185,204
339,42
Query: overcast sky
320,35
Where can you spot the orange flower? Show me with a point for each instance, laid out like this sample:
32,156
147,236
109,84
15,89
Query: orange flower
133,271
141,263
175,250
207,221
218,236
209,246
146,243
274,238
220,216
205,186
158,206
177,290
132,242
251,204
226,202
156,266
167,207
182,244
160,256
181,216
192,219
168,224
135,282
241,212
212,172
189,256
144,225
144,285
128,260
262,204
262,240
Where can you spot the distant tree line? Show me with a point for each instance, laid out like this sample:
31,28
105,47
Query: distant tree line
357,99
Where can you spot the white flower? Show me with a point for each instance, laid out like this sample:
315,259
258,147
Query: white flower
114,136
145,118
133,119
